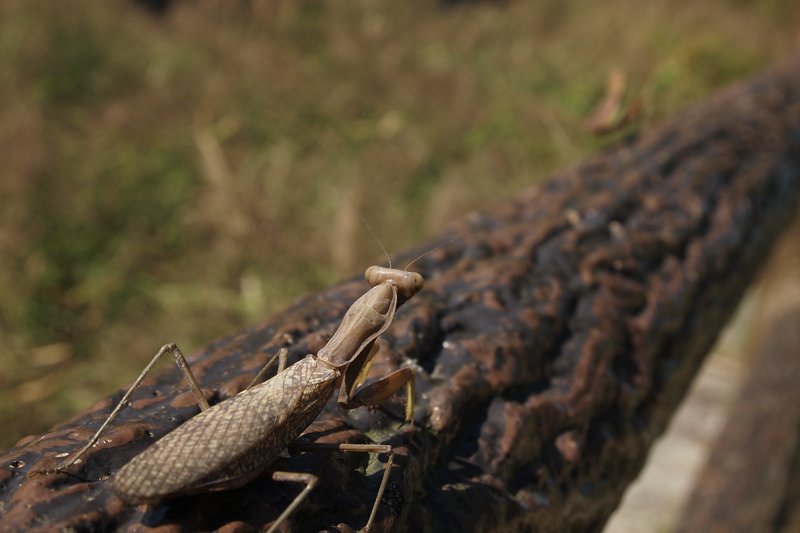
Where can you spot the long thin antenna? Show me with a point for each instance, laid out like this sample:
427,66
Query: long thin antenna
454,239
350,199
364,220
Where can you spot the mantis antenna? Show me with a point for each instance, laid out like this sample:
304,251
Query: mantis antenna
369,227
454,239
385,253
450,241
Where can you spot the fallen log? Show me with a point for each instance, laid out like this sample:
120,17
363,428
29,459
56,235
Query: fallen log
551,345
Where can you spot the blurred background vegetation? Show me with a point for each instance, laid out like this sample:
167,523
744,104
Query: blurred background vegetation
180,176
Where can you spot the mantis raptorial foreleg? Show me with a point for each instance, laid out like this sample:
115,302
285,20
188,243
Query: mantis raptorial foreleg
382,389
353,393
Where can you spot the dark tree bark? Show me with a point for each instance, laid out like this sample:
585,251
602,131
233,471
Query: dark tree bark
550,347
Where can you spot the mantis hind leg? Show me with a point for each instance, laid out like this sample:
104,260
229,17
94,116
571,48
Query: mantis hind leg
183,365
310,481
281,356
347,447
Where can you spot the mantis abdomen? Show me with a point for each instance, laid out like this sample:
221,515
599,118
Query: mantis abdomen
232,442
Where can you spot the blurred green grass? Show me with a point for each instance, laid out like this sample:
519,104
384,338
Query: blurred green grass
182,177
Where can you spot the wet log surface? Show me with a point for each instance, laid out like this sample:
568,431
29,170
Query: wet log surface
752,479
550,347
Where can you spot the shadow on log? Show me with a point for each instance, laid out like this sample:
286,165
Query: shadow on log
550,348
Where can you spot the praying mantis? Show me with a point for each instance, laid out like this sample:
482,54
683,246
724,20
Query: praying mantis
234,441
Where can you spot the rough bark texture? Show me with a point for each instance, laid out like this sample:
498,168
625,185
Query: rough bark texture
550,347
752,479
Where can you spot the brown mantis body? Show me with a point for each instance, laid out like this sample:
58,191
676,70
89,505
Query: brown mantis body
229,444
